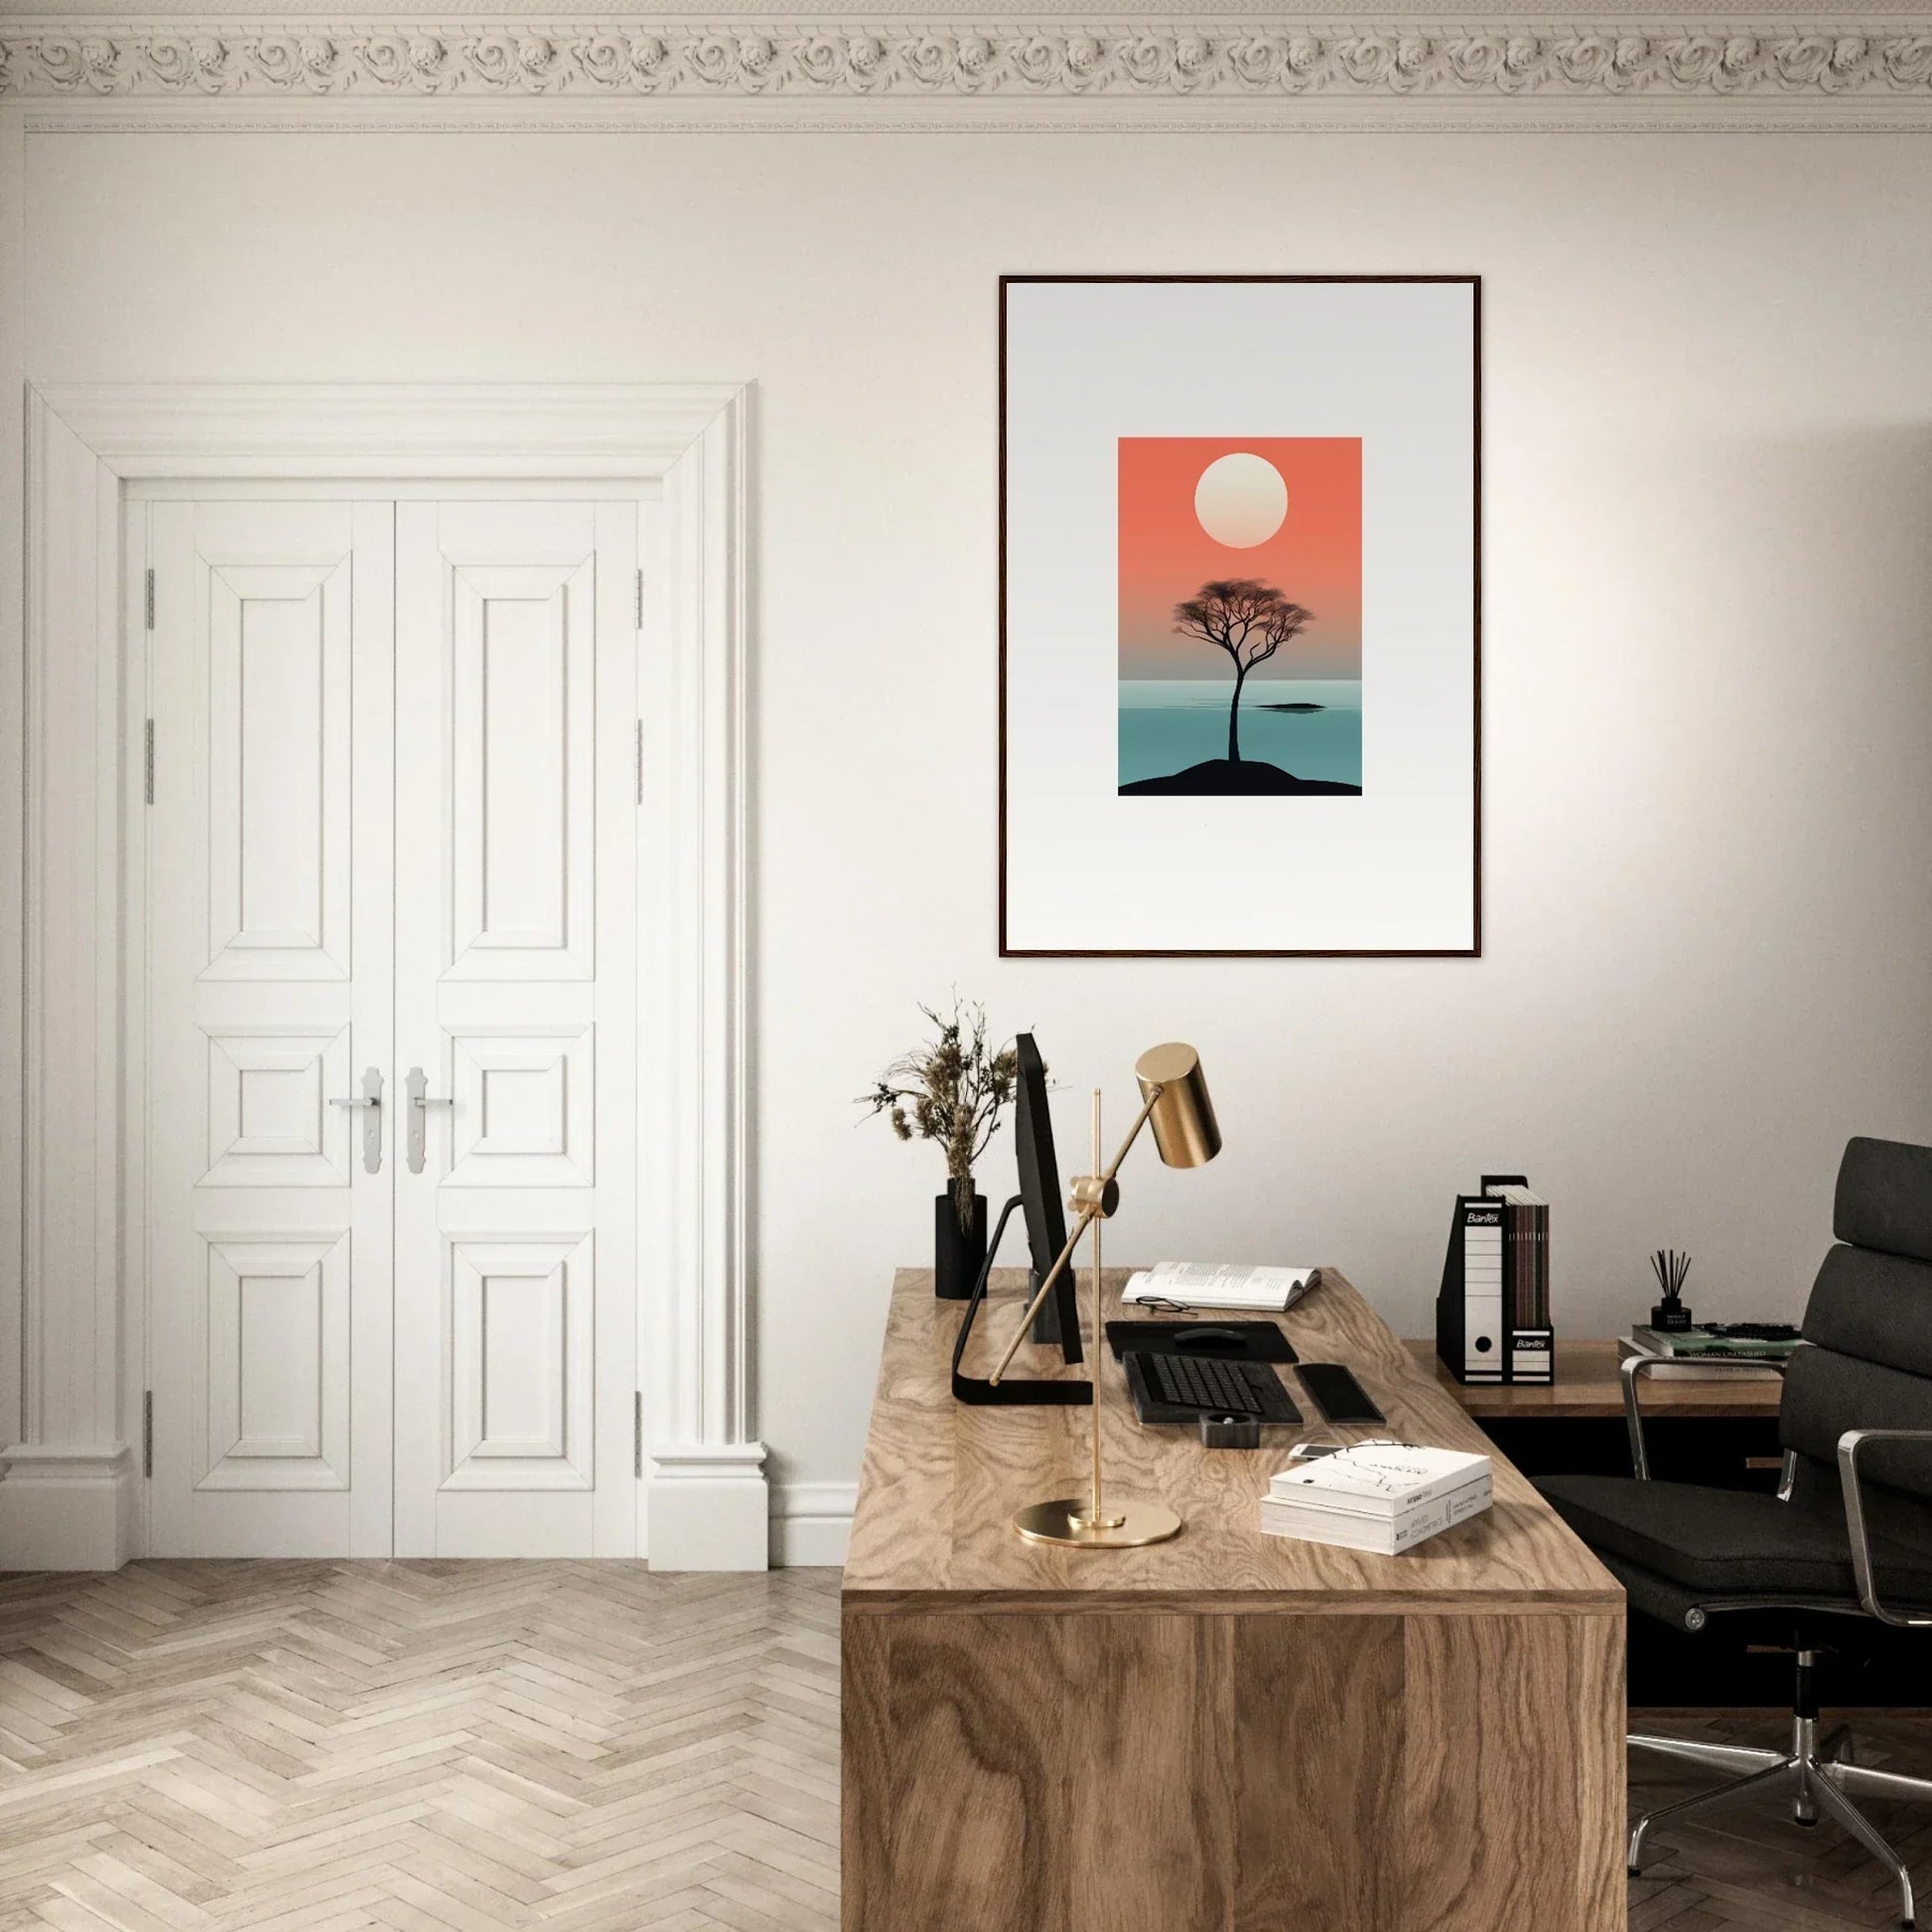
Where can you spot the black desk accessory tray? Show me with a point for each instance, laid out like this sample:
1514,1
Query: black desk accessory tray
1230,1432
1227,1342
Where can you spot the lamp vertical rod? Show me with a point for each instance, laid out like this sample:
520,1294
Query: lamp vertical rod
1099,1336
1088,1215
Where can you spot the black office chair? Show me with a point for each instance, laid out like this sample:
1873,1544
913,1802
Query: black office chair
1849,1535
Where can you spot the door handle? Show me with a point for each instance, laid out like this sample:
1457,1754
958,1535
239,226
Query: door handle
420,1102
370,1099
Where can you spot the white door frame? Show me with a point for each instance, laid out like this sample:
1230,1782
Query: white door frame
70,1495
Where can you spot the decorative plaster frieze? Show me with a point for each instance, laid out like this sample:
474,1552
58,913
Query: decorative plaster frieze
952,62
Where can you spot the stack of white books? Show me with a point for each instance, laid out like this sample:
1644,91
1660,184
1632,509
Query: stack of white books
1219,1284
1380,1496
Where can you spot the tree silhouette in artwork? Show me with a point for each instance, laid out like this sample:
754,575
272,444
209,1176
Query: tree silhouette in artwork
1250,621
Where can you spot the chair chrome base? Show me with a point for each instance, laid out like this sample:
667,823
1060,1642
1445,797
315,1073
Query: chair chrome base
1816,1773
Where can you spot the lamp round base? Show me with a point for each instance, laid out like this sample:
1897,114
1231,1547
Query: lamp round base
1064,1521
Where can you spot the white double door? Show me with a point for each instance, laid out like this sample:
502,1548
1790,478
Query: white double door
391,858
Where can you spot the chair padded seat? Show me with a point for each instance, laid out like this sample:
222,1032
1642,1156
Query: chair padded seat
1728,1542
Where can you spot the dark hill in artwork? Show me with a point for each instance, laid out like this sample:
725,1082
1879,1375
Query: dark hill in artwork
1228,778
1291,707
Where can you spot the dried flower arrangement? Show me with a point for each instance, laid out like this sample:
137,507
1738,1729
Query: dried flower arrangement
951,1090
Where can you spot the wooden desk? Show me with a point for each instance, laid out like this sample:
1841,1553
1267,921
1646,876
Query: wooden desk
1227,1733
1588,1387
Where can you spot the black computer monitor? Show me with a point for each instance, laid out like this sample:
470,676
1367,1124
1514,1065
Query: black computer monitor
1039,1198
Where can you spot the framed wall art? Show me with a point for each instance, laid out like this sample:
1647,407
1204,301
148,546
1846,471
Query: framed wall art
1239,614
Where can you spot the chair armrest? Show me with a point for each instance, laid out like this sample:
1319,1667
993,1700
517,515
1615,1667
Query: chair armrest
1634,1367
1849,1446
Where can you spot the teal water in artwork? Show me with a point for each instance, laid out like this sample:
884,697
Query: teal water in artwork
1169,724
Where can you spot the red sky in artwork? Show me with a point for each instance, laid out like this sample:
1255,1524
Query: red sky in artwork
1314,558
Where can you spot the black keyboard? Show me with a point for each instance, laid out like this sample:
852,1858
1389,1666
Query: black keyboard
1212,1387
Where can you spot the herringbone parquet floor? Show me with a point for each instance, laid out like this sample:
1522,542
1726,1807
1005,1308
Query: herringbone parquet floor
459,1747
1751,1866
429,1747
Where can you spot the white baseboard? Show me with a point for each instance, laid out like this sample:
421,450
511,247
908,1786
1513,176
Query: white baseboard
65,1507
709,1507
74,1510
811,1523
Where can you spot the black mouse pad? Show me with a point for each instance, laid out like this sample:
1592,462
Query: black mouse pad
1227,1342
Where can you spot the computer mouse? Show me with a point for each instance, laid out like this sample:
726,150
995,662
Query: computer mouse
1208,1337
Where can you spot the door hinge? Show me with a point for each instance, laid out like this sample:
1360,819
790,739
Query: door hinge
637,1433
147,1433
640,600
147,762
640,760
148,596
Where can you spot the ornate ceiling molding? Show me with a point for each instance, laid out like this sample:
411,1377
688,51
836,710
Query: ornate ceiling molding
1765,68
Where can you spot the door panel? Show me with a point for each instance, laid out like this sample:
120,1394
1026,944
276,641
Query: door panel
269,992
277,1414
270,1123
521,1401
516,990
521,743
524,1107
279,678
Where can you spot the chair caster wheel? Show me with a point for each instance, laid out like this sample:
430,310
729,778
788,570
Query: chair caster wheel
1810,1824
1633,1872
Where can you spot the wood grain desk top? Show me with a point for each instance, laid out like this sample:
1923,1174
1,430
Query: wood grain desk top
942,1480
1587,1386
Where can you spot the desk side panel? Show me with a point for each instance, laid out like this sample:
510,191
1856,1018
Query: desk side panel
1515,1774
1142,1773
1319,1735
957,1774
1152,1793
865,1764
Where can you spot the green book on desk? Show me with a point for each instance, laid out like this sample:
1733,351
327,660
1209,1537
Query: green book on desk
1691,1343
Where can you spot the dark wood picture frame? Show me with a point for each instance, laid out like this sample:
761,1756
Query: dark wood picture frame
1474,949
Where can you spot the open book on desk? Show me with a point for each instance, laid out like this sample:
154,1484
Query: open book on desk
1219,1285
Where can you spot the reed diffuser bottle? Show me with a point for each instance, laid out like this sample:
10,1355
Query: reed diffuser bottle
1670,1315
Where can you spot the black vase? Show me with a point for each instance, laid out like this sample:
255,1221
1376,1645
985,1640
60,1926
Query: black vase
958,1254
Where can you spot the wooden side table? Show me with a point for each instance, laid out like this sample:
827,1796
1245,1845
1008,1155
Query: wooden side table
1588,1387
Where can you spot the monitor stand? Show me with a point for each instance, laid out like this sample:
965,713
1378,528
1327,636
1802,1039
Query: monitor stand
1012,1391
1046,1324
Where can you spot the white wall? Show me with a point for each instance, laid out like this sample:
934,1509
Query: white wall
1708,815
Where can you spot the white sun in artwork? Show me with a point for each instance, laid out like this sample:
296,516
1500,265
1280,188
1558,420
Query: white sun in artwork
1241,499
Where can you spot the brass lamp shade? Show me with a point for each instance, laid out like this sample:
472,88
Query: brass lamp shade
1182,1114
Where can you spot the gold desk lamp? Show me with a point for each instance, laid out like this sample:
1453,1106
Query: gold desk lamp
1174,1101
